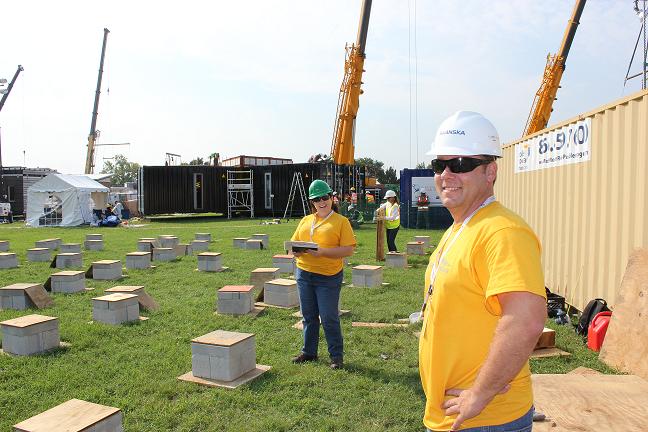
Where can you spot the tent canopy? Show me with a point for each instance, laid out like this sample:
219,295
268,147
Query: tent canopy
64,200
65,182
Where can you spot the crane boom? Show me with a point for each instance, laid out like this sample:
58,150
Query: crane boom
342,147
546,94
10,86
92,137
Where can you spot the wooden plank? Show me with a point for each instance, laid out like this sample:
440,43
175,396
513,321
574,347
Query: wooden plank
73,415
380,235
582,370
243,379
376,324
547,339
39,297
549,352
591,402
625,346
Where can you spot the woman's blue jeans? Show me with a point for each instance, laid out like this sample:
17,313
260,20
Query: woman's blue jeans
319,297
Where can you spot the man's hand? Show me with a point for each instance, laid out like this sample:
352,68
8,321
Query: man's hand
314,252
467,404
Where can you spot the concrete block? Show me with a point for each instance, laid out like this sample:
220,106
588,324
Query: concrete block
4,245
138,260
265,239
235,299
223,355
263,274
210,261
240,242
68,282
254,244
415,248
164,254
15,296
396,260
30,334
281,292
366,276
107,270
200,245
69,260
168,241
70,248
204,237
145,245
423,239
75,416
285,263
115,308
39,254
183,249
93,245
8,260
52,243
94,237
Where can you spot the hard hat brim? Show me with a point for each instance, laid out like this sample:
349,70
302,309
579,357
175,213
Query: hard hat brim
456,151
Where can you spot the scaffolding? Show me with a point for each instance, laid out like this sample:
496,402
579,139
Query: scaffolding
240,192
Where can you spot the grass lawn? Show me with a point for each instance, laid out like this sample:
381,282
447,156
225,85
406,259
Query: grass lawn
134,367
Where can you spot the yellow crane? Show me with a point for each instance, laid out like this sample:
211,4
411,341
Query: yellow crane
342,148
94,133
546,94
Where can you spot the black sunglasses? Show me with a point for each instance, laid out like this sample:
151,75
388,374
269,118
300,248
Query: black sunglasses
458,165
322,198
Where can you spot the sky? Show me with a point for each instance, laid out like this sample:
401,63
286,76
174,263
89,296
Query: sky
260,77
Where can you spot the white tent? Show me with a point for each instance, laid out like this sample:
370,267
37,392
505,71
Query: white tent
64,200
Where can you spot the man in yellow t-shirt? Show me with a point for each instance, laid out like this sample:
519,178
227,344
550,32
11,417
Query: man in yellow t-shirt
484,306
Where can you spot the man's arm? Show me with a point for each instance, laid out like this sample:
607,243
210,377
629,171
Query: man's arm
334,252
516,334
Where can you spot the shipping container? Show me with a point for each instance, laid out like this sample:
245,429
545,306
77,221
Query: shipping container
203,189
16,181
582,186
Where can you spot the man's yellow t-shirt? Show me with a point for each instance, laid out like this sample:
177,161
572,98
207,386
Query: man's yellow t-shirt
332,232
496,252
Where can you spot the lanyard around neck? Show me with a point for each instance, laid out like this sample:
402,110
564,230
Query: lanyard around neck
314,227
443,251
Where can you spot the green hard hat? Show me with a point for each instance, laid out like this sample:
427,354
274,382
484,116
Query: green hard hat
318,189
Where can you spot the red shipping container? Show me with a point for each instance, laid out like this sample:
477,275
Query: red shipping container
597,329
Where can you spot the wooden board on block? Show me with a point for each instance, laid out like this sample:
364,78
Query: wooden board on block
39,297
143,298
341,312
591,402
73,415
264,305
582,370
253,313
625,346
243,379
377,324
547,339
48,284
549,352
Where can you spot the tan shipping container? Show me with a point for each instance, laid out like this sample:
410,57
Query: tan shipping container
589,215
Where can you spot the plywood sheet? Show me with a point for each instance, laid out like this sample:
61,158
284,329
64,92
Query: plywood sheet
376,324
39,297
591,402
547,339
549,352
73,415
625,346
243,379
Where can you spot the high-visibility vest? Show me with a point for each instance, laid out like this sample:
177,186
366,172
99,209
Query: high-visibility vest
391,224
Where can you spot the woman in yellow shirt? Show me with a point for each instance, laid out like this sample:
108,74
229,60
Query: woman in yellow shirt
319,273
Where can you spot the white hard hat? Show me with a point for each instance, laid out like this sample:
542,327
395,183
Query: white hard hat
422,190
466,133
390,194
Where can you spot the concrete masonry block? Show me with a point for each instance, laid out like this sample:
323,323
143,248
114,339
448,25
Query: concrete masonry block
69,260
210,262
68,282
224,363
415,248
144,246
396,260
39,255
4,245
164,254
49,243
200,245
29,335
93,245
138,260
204,236
285,263
265,239
94,237
423,239
240,242
70,248
8,260
168,241
253,244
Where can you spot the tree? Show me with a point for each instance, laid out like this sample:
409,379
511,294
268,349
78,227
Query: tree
198,161
421,165
388,176
121,169
374,167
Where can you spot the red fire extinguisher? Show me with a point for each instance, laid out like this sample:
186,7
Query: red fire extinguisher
597,329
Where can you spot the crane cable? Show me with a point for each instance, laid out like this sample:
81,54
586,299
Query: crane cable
413,119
